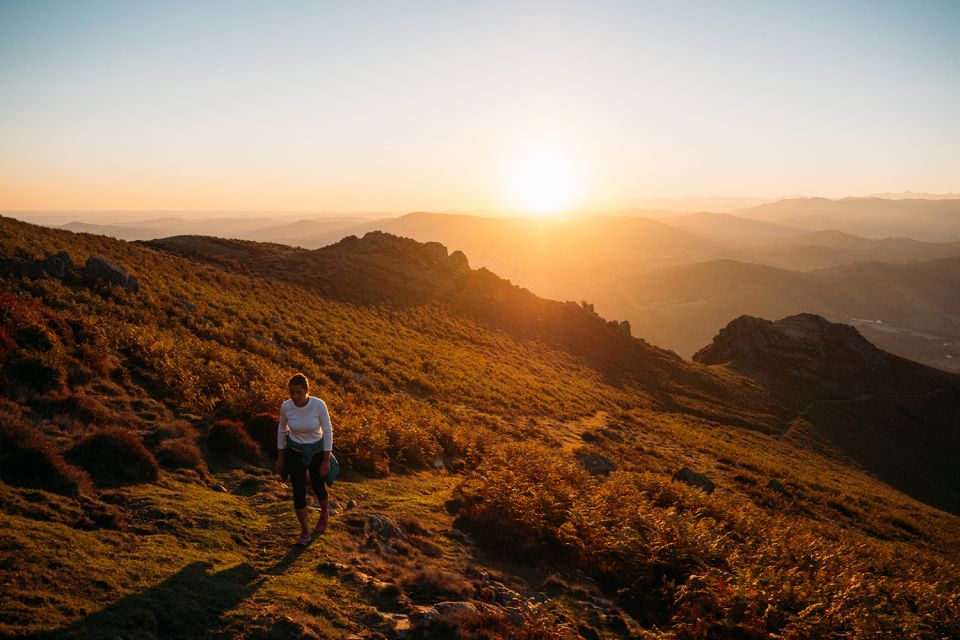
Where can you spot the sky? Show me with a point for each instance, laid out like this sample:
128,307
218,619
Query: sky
396,107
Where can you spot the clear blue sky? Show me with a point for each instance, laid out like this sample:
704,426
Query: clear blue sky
395,106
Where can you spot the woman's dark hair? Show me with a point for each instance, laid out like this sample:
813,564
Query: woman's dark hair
299,379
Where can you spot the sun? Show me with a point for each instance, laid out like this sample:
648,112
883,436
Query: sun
543,181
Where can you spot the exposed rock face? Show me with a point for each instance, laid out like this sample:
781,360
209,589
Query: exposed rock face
101,270
59,266
426,254
96,271
597,465
384,526
800,339
458,260
694,479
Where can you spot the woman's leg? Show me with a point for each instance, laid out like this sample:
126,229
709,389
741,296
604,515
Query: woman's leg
316,480
298,478
320,490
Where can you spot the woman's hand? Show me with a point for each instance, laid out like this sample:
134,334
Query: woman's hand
280,462
325,468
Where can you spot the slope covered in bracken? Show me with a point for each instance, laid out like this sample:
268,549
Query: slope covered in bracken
508,462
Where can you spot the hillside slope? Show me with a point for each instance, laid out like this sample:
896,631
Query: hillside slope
508,462
895,417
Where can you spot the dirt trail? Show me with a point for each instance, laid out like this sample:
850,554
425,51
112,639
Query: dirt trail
571,433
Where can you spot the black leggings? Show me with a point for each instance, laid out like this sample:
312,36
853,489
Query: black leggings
298,476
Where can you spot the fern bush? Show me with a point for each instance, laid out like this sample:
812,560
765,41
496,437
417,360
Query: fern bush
114,456
29,459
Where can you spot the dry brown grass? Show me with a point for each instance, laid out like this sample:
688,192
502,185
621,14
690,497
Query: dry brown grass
432,584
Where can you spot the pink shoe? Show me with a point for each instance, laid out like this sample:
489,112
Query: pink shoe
304,539
321,523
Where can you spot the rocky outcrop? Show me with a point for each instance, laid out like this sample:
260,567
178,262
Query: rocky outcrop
419,254
694,479
98,271
597,465
101,271
58,266
801,339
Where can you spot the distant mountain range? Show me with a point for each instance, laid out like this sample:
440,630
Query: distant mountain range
910,309
920,219
681,275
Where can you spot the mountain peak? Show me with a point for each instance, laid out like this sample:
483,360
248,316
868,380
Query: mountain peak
802,339
428,254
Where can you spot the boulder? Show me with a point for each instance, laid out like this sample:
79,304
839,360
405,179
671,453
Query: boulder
59,266
597,465
185,304
450,607
456,534
100,270
775,485
384,526
694,479
26,268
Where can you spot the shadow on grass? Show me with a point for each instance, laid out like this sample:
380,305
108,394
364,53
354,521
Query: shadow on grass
284,563
188,604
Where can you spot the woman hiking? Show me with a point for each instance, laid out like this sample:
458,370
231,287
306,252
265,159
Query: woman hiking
304,442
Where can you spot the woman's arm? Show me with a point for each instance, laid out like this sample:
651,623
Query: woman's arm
324,463
282,429
326,428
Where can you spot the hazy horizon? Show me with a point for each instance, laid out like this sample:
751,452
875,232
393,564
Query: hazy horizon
443,106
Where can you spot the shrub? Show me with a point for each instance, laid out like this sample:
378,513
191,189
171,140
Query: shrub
172,430
228,439
179,454
262,429
7,345
83,408
488,624
114,456
27,458
432,585
520,495
36,372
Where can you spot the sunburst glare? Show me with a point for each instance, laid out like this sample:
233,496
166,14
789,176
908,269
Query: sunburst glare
543,181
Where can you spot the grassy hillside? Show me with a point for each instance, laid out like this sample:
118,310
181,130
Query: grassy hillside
469,415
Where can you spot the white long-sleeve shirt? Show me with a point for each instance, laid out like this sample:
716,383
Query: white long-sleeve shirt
306,424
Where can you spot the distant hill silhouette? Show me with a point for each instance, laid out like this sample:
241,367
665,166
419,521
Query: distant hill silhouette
918,304
917,218
895,417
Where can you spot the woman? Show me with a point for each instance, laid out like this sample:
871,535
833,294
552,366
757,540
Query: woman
304,441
